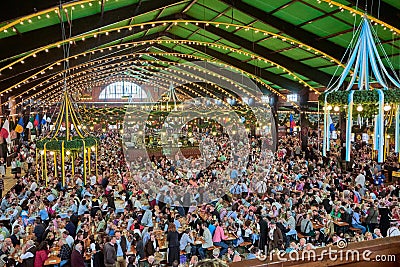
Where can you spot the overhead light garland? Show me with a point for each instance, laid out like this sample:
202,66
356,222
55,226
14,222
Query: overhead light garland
239,51
182,55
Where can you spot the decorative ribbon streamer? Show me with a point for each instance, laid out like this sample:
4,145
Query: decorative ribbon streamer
396,132
349,125
376,133
380,125
324,142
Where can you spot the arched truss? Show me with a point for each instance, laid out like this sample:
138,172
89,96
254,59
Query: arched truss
25,88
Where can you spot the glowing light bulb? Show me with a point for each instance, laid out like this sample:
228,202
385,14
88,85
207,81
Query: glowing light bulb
329,107
387,107
359,108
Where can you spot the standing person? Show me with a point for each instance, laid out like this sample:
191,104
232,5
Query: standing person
97,251
110,253
1,184
121,249
2,167
173,244
77,259
263,233
14,167
275,237
384,222
372,217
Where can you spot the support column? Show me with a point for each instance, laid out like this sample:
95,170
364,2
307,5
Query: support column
12,106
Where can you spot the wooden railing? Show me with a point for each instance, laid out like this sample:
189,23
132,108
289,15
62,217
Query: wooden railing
384,252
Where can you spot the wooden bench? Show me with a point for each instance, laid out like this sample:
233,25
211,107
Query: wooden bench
142,262
300,235
355,230
245,244
213,247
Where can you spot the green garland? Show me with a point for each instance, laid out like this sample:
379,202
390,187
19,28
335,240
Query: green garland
75,144
392,96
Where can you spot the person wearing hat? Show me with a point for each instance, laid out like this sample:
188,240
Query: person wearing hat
275,237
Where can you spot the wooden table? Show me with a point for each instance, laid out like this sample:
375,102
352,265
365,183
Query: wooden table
341,226
317,225
53,260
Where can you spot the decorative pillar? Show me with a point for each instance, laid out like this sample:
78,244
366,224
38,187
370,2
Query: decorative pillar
63,163
12,106
349,125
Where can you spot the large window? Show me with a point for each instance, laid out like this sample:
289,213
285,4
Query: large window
120,90
293,98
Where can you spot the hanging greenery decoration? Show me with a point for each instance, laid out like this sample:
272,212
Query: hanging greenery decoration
75,144
392,96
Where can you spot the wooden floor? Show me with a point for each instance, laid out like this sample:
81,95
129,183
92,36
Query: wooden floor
9,181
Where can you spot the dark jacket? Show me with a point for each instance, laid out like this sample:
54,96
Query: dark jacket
29,262
77,259
372,216
38,231
71,228
140,249
110,254
277,240
173,239
149,249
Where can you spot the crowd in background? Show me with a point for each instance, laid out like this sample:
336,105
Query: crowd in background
293,199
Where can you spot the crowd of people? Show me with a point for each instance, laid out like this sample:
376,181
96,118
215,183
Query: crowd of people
293,199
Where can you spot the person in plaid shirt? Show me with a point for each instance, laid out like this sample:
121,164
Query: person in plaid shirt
65,252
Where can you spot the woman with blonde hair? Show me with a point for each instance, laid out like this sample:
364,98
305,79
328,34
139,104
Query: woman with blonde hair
173,244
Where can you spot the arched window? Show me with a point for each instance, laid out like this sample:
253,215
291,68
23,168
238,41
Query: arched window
120,90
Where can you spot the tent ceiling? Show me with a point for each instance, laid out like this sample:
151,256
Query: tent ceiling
288,46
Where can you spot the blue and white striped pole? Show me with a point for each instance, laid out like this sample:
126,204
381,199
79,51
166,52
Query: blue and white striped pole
396,133
349,125
381,125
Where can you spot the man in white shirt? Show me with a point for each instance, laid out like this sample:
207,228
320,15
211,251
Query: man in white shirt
93,180
393,230
69,239
360,179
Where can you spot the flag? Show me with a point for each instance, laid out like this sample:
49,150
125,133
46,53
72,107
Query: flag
5,131
44,120
20,126
292,123
36,121
30,124
331,125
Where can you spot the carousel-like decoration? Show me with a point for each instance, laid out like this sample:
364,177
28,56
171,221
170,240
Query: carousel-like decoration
69,140
378,102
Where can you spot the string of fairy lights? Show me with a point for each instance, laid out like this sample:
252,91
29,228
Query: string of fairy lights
168,77
139,54
82,4
295,76
107,30
100,61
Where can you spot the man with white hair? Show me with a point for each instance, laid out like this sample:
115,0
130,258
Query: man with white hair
393,230
77,259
